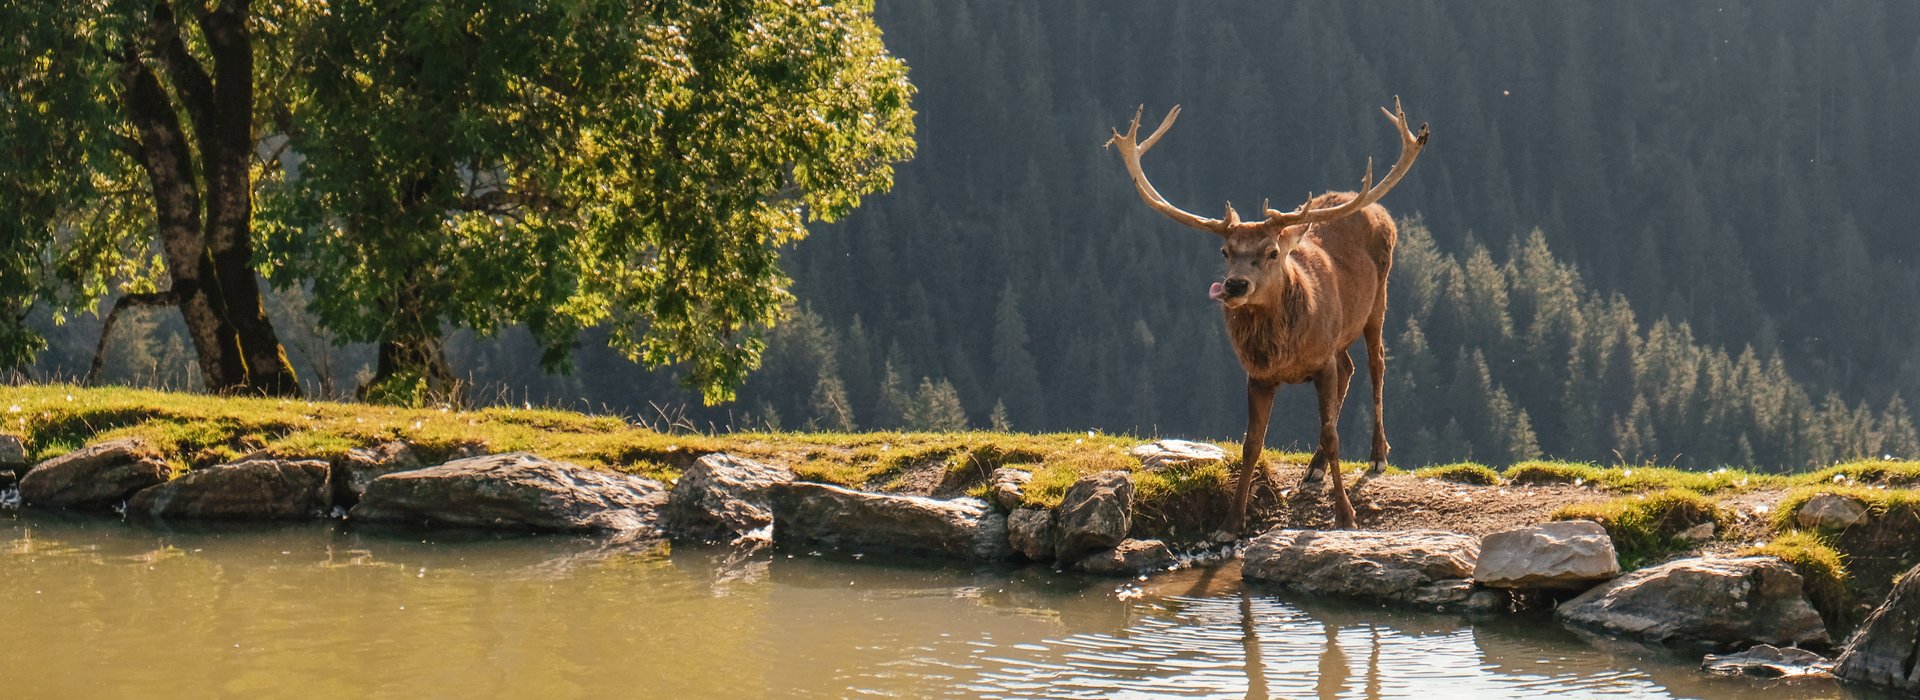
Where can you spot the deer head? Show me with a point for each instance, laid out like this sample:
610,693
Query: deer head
1256,251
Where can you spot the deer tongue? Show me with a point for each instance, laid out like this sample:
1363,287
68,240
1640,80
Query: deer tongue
1216,292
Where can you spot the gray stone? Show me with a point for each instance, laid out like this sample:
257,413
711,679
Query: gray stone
723,498
1884,650
99,476
1449,593
1573,554
1163,454
13,456
1030,531
1769,661
361,465
1832,512
1094,515
515,491
251,490
1408,565
1698,534
809,514
1130,558
1720,602
1007,487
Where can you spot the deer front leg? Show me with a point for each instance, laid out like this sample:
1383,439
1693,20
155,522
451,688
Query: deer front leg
1259,407
1327,385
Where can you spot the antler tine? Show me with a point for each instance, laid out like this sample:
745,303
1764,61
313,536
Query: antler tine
1130,150
1410,147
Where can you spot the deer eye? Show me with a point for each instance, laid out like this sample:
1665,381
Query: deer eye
1273,254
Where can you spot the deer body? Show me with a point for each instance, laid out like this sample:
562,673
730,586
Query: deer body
1300,288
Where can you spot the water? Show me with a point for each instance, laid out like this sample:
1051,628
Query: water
98,608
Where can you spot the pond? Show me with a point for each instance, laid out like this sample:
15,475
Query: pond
101,608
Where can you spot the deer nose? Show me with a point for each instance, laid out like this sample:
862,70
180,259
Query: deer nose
1236,287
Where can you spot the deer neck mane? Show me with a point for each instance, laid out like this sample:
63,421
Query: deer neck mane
1262,333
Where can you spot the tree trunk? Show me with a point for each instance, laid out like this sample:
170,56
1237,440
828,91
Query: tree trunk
210,259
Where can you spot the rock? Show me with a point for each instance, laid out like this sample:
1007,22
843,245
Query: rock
1769,661
1094,515
1573,554
252,490
99,476
516,491
1400,566
1031,532
1721,602
1884,650
1698,534
1130,558
831,516
1164,454
13,456
1832,512
1007,487
361,465
723,498
1453,592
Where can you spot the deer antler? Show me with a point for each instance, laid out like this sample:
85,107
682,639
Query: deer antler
1130,150
1410,145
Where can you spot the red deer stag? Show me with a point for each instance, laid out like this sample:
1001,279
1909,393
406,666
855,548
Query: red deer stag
1300,287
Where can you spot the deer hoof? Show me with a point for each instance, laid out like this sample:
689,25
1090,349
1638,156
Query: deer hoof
1313,476
1378,469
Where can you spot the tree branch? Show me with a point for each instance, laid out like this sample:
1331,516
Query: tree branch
188,76
141,300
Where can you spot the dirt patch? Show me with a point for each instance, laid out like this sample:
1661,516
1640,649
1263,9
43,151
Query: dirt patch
1402,502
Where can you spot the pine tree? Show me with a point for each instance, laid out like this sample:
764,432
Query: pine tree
935,408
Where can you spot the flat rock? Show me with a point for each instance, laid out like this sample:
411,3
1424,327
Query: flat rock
1007,487
1405,565
1832,512
809,514
1884,650
1769,661
1030,531
1094,515
515,491
1572,555
251,490
99,476
723,498
361,465
1715,601
1130,558
1163,454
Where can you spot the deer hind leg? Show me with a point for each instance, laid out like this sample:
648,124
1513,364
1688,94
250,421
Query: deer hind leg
1259,407
1317,469
1327,384
1377,372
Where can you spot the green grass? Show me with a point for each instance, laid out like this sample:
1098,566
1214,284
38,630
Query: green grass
1823,568
1461,473
1646,527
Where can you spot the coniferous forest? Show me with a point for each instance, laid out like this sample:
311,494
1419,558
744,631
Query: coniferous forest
1643,231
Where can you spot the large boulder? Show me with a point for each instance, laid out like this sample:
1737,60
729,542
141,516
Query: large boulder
1007,487
1418,566
1831,511
820,514
1130,558
1165,454
264,489
515,491
1884,650
1573,555
1712,601
99,476
361,465
723,498
1094,515
1030,531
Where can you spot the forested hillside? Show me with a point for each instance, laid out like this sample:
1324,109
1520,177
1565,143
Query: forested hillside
1647,231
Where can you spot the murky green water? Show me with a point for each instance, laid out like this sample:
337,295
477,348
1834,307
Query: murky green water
96,608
